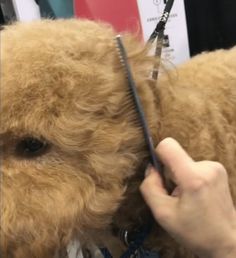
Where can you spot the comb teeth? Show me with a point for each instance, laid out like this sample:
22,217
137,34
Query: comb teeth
121,53
138,106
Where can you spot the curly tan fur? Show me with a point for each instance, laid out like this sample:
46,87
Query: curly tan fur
61,81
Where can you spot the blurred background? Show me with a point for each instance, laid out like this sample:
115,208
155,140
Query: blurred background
194,25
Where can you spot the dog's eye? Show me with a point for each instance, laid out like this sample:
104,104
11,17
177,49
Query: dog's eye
31,147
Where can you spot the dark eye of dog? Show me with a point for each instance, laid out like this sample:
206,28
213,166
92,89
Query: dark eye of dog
31,147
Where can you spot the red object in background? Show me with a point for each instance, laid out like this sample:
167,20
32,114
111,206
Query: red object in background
122,14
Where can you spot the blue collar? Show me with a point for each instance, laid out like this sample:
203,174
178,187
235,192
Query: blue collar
134,241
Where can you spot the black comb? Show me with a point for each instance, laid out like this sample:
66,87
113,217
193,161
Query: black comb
138,106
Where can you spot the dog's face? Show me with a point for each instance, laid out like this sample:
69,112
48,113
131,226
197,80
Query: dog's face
68,134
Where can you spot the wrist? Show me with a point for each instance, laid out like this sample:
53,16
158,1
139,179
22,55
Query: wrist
227,250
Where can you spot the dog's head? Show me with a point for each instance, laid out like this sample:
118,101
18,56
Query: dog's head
69,133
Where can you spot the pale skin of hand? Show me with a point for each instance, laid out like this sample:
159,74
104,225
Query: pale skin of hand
200,213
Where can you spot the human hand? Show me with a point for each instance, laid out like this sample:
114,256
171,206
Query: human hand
200,213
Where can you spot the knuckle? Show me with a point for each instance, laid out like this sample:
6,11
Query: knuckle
210,172
203,181
217,171
218,167
197,184
206,174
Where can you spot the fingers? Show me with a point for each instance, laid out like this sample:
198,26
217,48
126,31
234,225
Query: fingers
206,174
201,198
153,179
156,197
176,159
186,173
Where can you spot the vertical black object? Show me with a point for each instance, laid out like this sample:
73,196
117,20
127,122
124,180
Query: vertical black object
211,24
1,17
7,12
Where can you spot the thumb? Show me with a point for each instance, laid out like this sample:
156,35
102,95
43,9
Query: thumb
162,205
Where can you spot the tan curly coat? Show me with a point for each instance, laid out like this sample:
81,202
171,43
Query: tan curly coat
62,82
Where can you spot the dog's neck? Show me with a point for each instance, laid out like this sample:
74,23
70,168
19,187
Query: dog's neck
133,214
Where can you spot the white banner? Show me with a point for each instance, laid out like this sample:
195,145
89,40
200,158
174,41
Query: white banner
26,10
176,45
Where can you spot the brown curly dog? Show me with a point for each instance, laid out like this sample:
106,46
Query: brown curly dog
73,154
